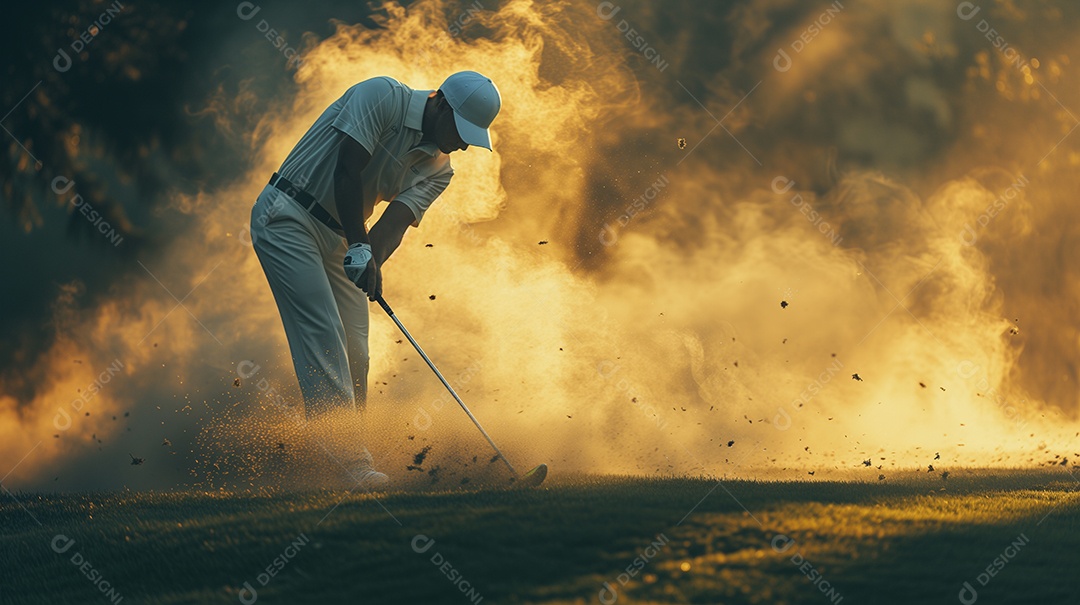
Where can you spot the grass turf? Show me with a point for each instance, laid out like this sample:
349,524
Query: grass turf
911,539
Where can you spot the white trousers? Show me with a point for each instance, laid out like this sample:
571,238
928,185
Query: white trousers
325,315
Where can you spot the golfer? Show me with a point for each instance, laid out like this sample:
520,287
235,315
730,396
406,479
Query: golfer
381,141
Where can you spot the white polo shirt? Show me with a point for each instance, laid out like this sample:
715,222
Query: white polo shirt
386,117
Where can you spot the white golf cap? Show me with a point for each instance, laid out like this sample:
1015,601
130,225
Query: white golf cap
475,102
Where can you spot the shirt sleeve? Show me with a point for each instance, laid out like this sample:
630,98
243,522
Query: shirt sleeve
420,196
368,112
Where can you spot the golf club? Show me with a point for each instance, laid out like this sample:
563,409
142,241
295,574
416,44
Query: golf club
532,478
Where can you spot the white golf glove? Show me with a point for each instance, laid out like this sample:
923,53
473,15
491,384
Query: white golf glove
357,259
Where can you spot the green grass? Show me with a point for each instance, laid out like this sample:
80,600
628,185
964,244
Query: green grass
913,539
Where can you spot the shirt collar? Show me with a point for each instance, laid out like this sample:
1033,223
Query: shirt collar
414,119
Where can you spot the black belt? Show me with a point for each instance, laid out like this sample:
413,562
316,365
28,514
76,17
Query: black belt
306,200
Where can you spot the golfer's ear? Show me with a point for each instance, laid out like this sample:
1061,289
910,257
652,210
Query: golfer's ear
352,157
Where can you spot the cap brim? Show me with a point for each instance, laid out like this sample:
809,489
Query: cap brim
471,133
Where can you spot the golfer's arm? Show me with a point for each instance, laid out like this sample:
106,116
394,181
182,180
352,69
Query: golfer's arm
352,158
387,233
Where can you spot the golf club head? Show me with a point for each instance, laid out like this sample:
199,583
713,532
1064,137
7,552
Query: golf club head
534,477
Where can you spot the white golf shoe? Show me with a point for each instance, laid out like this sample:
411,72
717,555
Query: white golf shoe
364,475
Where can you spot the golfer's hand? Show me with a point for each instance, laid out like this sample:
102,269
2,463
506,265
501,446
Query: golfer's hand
371,281
357,259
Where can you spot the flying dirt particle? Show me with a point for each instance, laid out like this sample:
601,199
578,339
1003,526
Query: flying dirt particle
810,473
77,360
681,142
783,304
881,477
736,363
136,461
114,417
429,245
867,462
464,480
937,455
942,389
126,414
411,437
560,348
856,377
731,443
569,416
922,384
165,442
474,459
280,446
432,297
155,345
945,475
56,436
398,341
930,468
236,382
414,468
434,474
418,458
542,242
784,342
493,459
682,408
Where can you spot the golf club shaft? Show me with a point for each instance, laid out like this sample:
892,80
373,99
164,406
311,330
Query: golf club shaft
390,312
